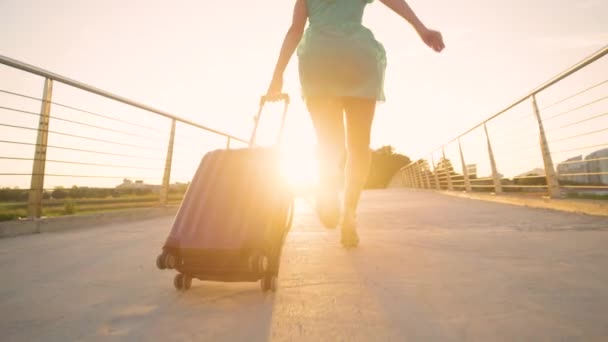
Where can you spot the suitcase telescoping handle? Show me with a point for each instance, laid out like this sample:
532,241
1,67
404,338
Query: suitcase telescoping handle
263,100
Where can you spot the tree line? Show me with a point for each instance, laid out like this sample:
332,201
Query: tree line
76,192
385,163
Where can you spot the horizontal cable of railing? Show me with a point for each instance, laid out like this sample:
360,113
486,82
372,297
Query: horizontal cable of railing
55,117
56,77
78,150
75,176
95,145
82,163
80,137
572,128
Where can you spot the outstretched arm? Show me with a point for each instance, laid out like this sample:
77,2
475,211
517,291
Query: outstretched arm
430,37
290,42
405,11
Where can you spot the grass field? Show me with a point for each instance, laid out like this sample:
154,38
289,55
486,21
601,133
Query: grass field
15,210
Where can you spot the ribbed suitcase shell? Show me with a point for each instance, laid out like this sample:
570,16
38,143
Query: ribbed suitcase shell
236,206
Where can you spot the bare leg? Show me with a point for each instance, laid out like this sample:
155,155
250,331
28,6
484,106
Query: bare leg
327,115
359,118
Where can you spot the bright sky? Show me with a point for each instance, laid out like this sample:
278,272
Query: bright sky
208,61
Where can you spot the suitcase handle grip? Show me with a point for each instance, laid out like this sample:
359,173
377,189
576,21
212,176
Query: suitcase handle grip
273,98
281,97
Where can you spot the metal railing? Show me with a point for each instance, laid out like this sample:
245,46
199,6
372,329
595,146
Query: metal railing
576,122
141,147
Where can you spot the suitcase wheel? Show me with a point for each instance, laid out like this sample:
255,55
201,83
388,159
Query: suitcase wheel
164,261
269,283
258,263
160,262
182,282
170,261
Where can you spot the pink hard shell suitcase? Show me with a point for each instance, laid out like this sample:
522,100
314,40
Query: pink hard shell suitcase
233,219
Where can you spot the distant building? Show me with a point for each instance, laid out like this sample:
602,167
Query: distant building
138,184
534,172
593,169
597,162
531,180
573,170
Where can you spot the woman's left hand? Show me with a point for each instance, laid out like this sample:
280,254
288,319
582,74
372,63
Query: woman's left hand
432,39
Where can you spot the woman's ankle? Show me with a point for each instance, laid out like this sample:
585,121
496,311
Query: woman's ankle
349,216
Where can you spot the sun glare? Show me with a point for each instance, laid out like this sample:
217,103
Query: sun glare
299,166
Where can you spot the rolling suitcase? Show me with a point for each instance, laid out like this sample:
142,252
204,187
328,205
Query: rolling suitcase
233,219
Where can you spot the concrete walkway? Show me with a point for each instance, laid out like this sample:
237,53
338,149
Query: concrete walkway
430,268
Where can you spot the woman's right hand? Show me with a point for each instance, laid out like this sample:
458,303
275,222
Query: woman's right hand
275,88
432,39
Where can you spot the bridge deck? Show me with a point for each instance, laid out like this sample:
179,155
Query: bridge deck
430,267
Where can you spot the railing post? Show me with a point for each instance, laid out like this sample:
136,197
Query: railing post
465,170
497,182
447,170
425,171
552,183
437,185
419,175
410,176
34,208
415,174
164,190
228,143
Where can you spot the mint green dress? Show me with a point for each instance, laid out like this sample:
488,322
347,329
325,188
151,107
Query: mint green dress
337,55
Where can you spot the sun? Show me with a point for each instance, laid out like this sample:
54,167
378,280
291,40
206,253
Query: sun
299,166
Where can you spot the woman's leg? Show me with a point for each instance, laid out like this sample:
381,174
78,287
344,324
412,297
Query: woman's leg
327,115
359,118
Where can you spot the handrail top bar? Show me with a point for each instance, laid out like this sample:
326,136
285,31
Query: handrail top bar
56,77
592,58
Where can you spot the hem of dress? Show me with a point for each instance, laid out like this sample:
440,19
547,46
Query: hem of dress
376,98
